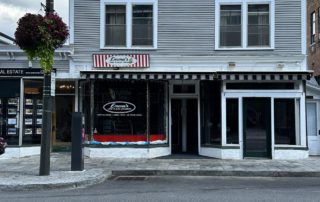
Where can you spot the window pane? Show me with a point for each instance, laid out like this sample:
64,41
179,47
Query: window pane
313,27
142,25
258,25
230,25
312,119
115,25
187,89
120,112
285,118
210,113
232,121
158,108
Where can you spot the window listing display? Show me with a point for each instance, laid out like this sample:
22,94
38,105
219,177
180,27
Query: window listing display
32,114
32,119
9,108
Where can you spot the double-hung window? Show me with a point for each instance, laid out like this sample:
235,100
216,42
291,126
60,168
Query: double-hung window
126,24
244,24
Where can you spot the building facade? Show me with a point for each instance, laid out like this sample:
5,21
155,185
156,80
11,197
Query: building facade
217,78
313,88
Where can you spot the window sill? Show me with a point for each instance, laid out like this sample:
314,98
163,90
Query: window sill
290,147
243,49
125,48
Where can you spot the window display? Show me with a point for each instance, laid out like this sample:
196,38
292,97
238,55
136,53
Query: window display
28,121
120,113
12,121
286,115
29,102
13,101
12,111
210,113
32,112
9,113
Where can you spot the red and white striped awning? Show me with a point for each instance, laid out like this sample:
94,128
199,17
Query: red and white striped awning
121,60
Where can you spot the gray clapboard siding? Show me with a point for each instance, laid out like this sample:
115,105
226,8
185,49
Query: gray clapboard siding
186,27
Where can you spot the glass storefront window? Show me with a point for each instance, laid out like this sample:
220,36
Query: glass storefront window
232,121
157,114
9,110
120,112
286,121
32,115
210,113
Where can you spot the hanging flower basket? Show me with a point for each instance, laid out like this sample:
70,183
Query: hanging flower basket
39,36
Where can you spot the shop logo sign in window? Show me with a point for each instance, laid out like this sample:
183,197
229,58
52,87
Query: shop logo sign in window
119,107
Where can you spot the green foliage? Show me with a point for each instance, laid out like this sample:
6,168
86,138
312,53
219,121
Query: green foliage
40,36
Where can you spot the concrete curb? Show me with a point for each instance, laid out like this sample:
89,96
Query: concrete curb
214,173
85,178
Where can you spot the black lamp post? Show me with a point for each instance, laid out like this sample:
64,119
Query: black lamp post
47,114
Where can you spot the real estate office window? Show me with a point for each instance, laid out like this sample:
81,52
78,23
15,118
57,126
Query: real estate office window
242,25
128,25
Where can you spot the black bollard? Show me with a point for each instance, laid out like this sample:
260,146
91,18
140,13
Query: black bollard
77,158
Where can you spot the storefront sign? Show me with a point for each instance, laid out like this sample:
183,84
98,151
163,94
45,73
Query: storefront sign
119,107
129,61
21,72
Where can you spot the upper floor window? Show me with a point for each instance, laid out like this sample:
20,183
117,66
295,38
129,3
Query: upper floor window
313,27
115,25
128,24
244,24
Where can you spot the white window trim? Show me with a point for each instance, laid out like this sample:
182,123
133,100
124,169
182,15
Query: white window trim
128,4
244,15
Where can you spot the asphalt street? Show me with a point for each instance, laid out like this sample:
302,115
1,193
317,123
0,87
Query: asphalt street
240,189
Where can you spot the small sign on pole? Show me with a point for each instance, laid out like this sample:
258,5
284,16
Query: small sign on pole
53,84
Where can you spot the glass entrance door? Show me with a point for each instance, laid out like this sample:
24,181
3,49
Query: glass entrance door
257,127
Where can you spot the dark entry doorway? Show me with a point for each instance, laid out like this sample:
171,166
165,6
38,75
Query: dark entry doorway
257,127
184,128
63,117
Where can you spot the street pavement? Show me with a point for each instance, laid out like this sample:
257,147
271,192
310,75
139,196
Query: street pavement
23,173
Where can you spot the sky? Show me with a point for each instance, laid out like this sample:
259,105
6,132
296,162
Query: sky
12,10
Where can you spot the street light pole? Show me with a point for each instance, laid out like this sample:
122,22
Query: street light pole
47,114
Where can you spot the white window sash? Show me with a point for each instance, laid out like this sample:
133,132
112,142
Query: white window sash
244,7
128,3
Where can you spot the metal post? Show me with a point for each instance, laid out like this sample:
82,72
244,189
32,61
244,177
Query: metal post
77,159
46,117
91,109
46,127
